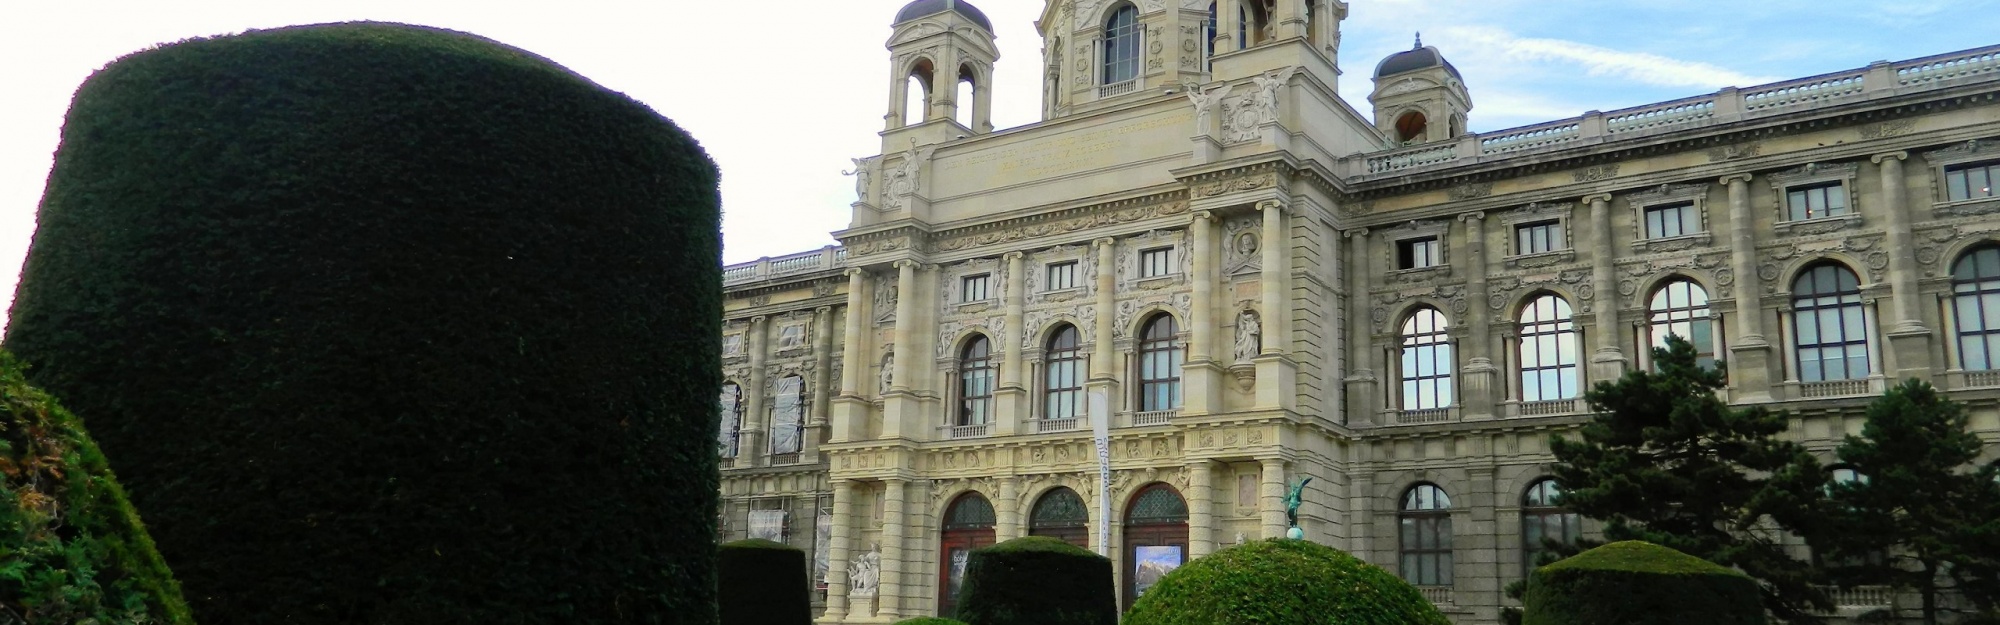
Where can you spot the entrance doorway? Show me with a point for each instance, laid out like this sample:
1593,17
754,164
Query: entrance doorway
1156,537
1060,513
968,525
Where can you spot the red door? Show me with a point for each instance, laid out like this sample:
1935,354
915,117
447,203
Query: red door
968,525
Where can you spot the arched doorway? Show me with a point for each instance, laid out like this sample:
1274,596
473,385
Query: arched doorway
1156,536
1060,513
968,525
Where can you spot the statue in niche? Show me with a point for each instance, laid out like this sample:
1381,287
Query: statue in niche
864,573
1249,336
888,372
1270,28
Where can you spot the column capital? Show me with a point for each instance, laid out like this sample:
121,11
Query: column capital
1357,233
908,264
1896,155
1736,178
758,320
854,272
1202,215
1013,256
1104,242
823,310
1272,205
1473,216
1599,197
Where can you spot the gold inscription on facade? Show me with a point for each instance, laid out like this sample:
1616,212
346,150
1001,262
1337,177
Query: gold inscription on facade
1064,154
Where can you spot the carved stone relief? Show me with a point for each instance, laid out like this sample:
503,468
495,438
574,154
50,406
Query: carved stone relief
1094,220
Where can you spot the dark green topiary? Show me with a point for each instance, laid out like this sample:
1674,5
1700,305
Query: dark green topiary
72,550
929,620
761,582
1639,583
1037,580
390,325
1288,582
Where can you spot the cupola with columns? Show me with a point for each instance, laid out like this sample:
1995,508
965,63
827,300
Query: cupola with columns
1419,97
936,45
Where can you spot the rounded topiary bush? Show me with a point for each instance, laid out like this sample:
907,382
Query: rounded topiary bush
72,550
1639,583
1037,580
761,582
389,324
1293,582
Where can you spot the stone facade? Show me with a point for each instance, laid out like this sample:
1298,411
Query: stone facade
1279,243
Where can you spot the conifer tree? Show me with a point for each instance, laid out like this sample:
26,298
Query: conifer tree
1921,515
1667,462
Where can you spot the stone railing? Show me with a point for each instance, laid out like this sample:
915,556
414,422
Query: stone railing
1833,388
1043,426
1430,415
1155,417
1860,597
1727,105
1982,379
1549,407
822,259
1118,88
955,432
1440,596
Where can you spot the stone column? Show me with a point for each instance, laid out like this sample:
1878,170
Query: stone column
1909,339
1609,361
750,449
1202,373
1103,366
1275,379
889,594
838,553
822,389
906,326
1201,508
1750,352
854,348
1482,383
1225,26
1007,510
1363,399
1272,497
1290,17
1011,399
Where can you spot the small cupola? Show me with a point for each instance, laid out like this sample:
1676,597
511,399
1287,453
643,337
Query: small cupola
926,8
943,53
1419,97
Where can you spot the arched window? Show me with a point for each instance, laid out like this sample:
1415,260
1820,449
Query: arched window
787,416
964,96
1680,308
1063,384
1426,536
1410,127
1060,513
1208,32
1975,287
1543,519
917,94
1242,27
1160,360
732,419
1121,45
968,525
1831,327
1156,538
1427,363
975,382
1548,350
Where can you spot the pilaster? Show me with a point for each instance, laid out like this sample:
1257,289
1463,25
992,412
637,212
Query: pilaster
1007,510
838,552
1277,377
1271,499
902,412
850,411
750,451
1909,340
1103,364
1362,395
1201,508
1608,363
890,593
1479,375
1202,375
816,422
1750,353
1011,399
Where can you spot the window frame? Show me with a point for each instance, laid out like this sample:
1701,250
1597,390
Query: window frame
1815,176
1552,235
1981,291
798,404
1072,359
1537,504
1408,257
1160,359
1550,333
1535,214
1692,198
984,282
1413,340
976,376
1683,213
1167,266
1071,269
1978,152
1128,37
1847,302
734,446
1667,315
1428,516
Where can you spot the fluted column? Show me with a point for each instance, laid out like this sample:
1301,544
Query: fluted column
1203,372
838,552
1362,398
854,350
1201,508
906,326
1272,497
1609,361
1010,399
1482,388
1102,366
1007,510
750,444
889,595
822,389
1275,380
1750,352
1908,337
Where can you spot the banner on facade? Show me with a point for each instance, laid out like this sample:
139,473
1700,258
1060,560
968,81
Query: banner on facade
768,525
1100,426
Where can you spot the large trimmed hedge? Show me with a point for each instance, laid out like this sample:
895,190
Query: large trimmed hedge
1294,582
1037,580
929,620
72,550
389,324
761,582
1640,583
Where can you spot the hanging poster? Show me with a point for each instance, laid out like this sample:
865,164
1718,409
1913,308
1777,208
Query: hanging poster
768,525
822,544
1153,562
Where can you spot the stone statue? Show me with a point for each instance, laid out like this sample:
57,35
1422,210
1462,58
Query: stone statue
862,173
1267,94
1292,501
1249,336
1270,28
888,372
1204,103
904,181
864,573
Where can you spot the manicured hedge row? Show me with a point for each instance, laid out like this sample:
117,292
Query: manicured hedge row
1282,581
761,582
389,324
72,550
1638,583
1037,580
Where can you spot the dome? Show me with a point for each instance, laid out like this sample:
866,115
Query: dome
1419,57
926,8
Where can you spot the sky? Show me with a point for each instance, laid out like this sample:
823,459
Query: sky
782,98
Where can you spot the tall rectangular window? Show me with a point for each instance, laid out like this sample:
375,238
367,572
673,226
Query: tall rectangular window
1062,276
1418,253
1156,262
1671,220
787,426
972,288
1816,201
1970,181
1538,237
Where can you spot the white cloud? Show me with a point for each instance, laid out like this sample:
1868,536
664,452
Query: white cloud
1651,69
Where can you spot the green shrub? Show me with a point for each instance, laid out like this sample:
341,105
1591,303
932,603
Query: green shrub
1288,582
761,582
389,324
72,550
1639,583
928,620
1037,580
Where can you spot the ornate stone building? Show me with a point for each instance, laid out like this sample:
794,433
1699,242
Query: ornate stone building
1264,284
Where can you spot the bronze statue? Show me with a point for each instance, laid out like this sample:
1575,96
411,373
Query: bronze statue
1292,501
